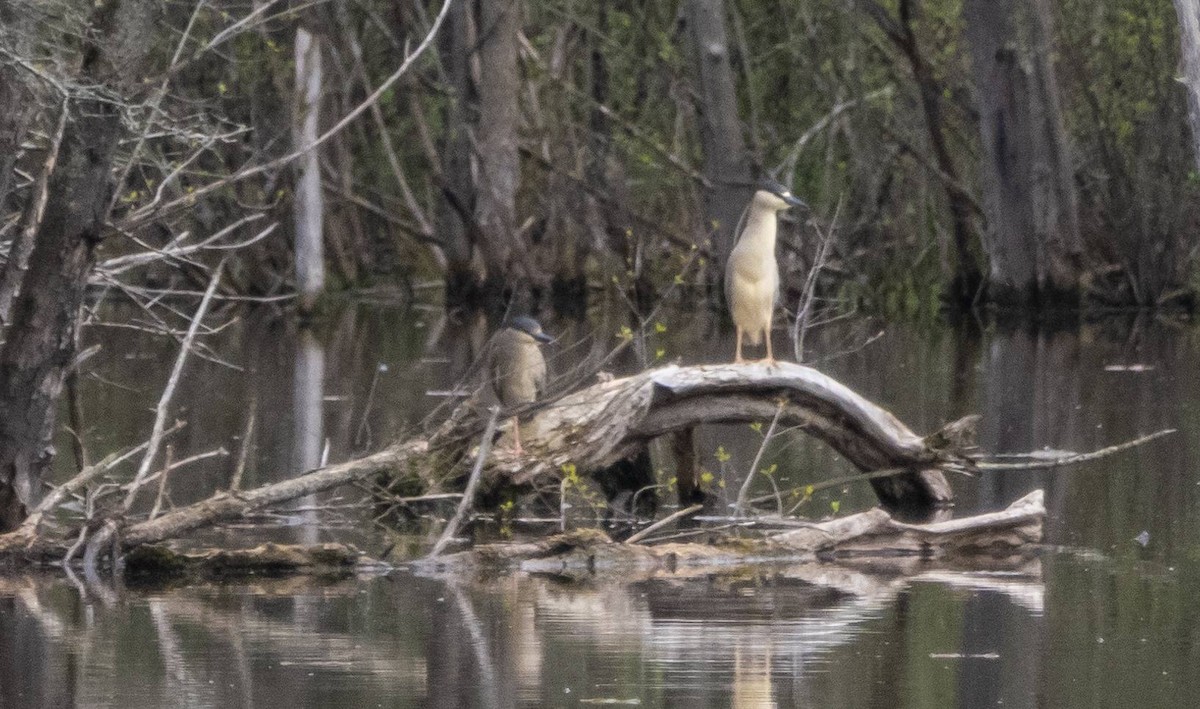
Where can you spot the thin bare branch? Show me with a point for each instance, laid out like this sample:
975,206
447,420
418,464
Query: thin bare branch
741,498
677,515
468,498
145,214
164,401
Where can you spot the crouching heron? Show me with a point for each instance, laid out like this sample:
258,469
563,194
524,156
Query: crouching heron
752,274
516,367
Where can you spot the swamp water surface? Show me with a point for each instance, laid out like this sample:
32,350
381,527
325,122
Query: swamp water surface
1109,617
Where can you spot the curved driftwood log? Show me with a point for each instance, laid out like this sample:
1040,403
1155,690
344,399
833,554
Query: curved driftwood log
611,421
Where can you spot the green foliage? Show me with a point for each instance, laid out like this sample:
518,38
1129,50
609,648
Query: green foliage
1127,114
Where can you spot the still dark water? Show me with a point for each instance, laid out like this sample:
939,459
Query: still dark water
1099,621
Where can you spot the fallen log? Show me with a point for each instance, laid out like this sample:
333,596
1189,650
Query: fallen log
158,562
601,425
224,506
866,537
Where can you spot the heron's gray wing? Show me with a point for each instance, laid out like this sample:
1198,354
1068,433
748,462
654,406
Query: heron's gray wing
539,373
501,362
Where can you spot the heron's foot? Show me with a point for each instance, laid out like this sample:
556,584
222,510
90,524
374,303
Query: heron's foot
739,360
769,361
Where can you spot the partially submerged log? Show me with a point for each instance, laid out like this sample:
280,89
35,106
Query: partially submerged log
158,561
866,537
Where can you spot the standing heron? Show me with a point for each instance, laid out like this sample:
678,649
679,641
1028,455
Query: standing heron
516,366
752,274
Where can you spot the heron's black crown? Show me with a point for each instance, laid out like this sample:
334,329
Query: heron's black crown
530,327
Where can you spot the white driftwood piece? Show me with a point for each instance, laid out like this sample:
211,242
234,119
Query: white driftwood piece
867,537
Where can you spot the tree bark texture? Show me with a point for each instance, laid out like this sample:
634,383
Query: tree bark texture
308,208
18,106
456,213
16,94
498,167
967,278
1189,46
727,164
41,340
1032,238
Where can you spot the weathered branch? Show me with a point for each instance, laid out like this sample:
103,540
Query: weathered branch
677,515
468,498
868,535
1074,458
232,505
149,211
164,402
603,424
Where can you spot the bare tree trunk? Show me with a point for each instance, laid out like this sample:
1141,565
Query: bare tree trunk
308,421
967,278
16,94
17,108
726,160
41,340
1032,240
308,206
499,165
599,216
456,214
1189,45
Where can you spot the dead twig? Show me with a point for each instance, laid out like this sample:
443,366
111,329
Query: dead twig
153,210
27,532
741,498
247,436
164,401
808,298
677,515
1075,457
468,498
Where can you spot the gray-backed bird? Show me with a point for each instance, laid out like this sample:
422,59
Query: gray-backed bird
516,366
752,273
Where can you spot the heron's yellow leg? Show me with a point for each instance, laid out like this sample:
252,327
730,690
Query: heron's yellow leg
737,358
770,356
517,436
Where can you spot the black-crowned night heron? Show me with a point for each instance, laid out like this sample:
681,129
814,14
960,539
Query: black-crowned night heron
516,366
752,274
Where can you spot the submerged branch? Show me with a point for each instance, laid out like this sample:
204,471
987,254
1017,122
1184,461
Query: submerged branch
680,514
1074,458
